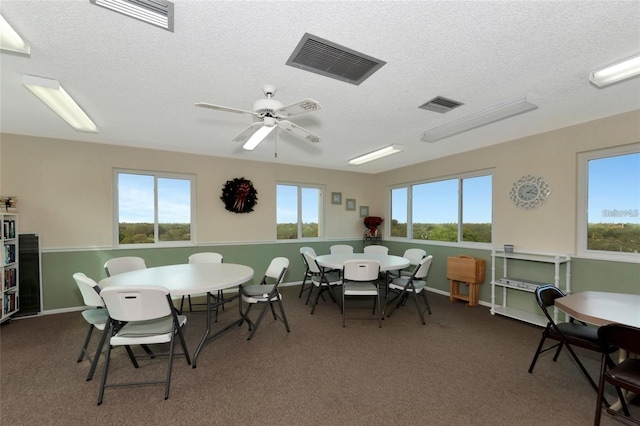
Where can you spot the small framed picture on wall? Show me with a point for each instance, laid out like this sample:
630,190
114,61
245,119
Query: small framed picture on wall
364,211
336,198
351,204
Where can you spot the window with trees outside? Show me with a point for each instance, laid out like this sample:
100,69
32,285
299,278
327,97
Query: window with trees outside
609,200
456,209
153,207
299,211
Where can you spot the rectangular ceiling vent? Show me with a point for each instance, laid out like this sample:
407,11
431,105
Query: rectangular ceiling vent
440,104
332,60
154,12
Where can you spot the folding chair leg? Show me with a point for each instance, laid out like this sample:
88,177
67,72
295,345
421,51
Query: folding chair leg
344,309
315,301
284,317
426,300
415,298
184,346
304,280
83,351
555,357
396,305
131,356
149,352
379,313
257,323
600,391
106,368
168,381
535,357
94,362
245,317
309,295
584,370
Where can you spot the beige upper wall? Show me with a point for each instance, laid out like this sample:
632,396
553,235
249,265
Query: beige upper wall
65,191
552,155
65,187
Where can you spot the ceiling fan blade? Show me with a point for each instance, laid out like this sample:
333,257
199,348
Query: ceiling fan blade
305,105
298,131
226,109
248,132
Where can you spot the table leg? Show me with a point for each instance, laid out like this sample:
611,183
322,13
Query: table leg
208,335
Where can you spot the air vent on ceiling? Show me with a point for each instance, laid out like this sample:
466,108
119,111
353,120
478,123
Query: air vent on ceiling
440,104
326,58
154,12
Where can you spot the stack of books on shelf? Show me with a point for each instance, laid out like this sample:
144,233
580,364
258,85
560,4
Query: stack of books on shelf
9,229
9,254
10,302
10,278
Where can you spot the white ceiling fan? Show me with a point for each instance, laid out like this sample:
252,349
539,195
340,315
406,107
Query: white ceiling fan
270,113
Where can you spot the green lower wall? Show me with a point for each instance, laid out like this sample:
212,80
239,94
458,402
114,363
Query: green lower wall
60,291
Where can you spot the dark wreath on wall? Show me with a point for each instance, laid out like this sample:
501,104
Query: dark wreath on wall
239,195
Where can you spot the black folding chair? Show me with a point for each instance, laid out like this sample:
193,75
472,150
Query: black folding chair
572,333
625,375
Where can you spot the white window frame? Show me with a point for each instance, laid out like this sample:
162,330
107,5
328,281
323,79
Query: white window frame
321,211
460,242
156,175
582,202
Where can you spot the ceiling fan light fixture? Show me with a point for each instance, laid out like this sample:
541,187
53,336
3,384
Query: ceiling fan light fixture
55,97
258,137
376,155
618,71
482,118
10,39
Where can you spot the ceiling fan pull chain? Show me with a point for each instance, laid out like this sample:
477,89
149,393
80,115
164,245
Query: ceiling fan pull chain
275,155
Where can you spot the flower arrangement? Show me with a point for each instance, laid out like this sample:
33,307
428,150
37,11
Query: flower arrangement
372,223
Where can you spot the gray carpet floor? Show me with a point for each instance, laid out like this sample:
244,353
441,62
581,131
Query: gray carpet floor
463,367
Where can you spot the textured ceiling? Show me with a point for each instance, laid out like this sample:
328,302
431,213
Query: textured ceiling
139,83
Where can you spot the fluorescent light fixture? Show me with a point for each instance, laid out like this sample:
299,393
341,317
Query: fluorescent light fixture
11,40
375,155
491,115
258,137
622,70
51,93
154,12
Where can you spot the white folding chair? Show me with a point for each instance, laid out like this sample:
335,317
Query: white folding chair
376,249
267,294
307,272
120,265
414,255
360,278
204,257
341,248
97,317
149,318
414,284
322,279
